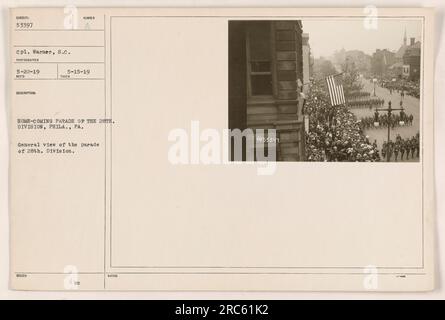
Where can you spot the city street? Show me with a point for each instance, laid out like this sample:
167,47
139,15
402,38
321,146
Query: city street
411,105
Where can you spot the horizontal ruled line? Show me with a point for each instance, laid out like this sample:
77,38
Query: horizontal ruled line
31,62
49,46
246,273
63,79
102,30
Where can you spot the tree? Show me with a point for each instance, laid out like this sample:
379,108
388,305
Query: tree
324,68
351,78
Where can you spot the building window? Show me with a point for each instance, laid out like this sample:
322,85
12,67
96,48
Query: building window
259,68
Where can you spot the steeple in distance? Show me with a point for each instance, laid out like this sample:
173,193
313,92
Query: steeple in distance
404,38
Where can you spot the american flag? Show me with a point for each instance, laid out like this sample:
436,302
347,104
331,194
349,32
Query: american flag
335,91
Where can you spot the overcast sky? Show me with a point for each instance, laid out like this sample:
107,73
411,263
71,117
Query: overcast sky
327,36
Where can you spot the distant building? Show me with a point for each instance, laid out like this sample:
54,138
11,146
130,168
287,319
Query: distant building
381,62
411,60
401,52
306,61
400,69
266,76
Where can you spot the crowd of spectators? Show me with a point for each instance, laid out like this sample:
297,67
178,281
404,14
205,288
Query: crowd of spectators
334,133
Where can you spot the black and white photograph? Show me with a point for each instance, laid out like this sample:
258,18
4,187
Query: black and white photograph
326,90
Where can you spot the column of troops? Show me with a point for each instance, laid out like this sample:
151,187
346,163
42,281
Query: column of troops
403,88
406,148
383,121
366,103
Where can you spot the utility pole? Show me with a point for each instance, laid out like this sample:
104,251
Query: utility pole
389,110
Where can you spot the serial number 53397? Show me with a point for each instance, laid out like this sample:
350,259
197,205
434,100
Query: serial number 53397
227,309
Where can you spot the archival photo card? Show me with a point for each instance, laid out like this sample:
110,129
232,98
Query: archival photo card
247,149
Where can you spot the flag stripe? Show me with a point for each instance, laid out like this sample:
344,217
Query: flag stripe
331,90
343,100
337,88
337,92
334,93
328,82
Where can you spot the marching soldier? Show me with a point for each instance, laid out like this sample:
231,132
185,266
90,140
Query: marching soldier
390,149
396,150
384,147
402,149
413,146
418,144
407,148
402,113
